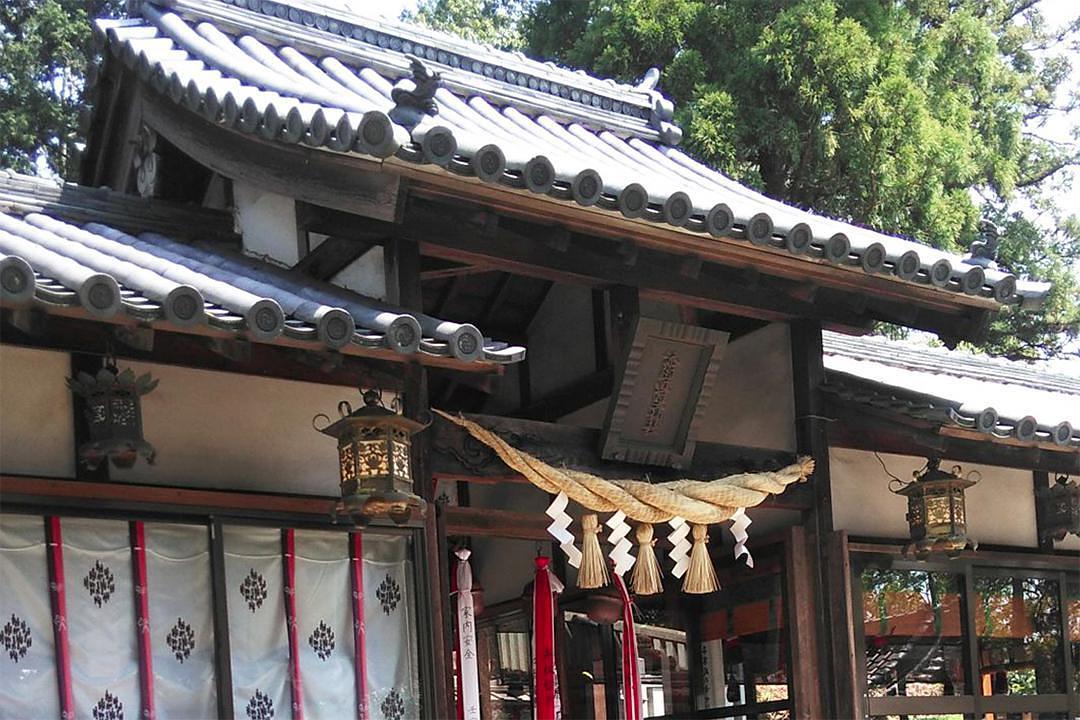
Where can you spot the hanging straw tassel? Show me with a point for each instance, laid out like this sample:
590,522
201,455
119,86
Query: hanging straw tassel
646,577
700,577
593,572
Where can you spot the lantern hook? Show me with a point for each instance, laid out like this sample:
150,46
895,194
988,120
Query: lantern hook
344,408
315,421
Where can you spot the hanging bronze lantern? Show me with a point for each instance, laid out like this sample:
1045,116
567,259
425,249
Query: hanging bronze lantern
1060,509
114,414
936,514
374,459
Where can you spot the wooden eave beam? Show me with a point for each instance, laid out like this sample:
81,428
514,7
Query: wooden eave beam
432,182
716,288
521,247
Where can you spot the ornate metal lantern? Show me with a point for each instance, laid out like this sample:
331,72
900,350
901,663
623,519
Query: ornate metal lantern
1060,509
114,413
374,460
936,514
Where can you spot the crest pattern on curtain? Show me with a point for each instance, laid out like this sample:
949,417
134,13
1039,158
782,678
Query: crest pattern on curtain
321,624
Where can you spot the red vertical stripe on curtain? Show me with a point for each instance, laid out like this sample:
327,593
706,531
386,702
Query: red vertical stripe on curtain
55,543
288,546
142,612
356,553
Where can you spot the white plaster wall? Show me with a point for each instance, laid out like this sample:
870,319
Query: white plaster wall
37,435
365,275
753,403
1000,509
267,223
236,432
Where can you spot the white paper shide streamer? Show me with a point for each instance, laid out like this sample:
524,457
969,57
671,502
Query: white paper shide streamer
620,554
680,546
470,677
560,521
740,521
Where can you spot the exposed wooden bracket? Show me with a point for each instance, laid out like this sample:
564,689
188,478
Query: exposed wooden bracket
452,270
331,257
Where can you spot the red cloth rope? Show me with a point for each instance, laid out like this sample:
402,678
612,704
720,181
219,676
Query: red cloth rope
544,677
631,679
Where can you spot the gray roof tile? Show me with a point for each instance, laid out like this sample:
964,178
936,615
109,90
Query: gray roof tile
45,259
997,397
278,73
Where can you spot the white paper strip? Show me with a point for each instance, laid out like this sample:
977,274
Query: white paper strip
254,584
466,623
181,620
393,688
560,521
27,662
740,521
620,554
324,611
101,617
680,550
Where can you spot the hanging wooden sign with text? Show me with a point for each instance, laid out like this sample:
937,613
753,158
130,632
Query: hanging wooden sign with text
662,390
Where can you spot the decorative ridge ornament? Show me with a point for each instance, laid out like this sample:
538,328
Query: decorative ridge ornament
415,98
936,511
374,460
700,503
114,414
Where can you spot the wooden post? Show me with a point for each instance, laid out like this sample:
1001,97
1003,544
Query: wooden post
799,583
402,267
838,686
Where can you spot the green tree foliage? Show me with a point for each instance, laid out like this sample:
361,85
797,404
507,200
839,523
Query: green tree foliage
492,22
45,48
913,117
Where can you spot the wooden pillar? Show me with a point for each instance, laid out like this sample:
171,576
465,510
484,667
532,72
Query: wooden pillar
402,268
838,684
1041,482
799,584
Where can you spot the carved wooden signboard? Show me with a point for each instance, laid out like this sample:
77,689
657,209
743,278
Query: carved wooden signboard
661,393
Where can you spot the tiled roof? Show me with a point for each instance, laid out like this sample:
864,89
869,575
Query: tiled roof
47,260
1001,398
295,73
